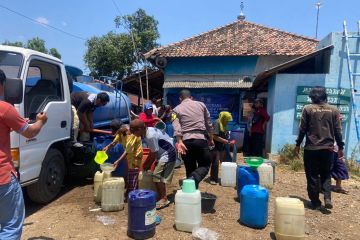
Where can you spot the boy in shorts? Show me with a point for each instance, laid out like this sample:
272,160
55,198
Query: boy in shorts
162,151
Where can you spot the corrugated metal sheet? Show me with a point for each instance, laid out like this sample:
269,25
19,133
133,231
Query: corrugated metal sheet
213,84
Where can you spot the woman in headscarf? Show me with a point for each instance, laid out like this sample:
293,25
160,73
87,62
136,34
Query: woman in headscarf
218,153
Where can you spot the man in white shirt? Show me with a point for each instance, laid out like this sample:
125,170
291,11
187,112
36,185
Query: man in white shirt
163,152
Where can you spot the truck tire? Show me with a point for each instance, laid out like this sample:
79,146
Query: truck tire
50,180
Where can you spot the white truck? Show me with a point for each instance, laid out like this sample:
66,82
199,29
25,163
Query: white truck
38,82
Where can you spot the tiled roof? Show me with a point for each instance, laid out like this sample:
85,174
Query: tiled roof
240,38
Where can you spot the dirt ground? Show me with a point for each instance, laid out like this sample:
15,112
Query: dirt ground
74,215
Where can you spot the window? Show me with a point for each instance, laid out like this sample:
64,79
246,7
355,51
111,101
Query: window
11,63
43,85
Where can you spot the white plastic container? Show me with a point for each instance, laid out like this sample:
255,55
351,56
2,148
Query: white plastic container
266,175
146,181
273,164
98,179
187,210
107,168
112,198
228,174
107,176
289,219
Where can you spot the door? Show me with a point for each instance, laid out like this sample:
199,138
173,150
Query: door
46,90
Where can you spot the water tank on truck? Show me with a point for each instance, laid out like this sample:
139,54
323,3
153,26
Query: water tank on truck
117,108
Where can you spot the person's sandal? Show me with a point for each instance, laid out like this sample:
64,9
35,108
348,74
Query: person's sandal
162,204
340,190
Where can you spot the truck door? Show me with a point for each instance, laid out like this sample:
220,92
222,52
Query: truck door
46,90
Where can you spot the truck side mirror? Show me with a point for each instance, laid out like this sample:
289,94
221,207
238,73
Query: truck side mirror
13,91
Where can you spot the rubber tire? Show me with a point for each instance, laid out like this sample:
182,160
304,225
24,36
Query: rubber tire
50,180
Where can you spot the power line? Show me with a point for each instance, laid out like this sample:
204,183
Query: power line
117,7
136,57
45,24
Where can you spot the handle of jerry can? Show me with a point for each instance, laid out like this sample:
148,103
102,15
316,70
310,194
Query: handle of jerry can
143,193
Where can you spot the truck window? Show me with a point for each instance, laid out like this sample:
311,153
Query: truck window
43,85
11,63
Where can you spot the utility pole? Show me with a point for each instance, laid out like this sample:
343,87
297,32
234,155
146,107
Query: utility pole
318,5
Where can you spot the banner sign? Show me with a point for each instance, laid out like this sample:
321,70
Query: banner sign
339,97
215,103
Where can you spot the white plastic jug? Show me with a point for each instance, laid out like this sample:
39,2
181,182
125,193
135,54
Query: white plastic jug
289,219
112,198
146,181
273,164
98,179
187,210
228,174
266,175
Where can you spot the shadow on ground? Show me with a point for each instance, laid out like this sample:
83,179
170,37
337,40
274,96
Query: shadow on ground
40,238
307,204
69,184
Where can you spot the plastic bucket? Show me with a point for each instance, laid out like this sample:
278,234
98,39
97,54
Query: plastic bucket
160,125
254,162
100,157
207,202
146,152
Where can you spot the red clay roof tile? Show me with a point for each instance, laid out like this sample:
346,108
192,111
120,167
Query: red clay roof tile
240,38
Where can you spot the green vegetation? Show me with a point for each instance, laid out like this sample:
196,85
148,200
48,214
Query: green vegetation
113,54
36,44
352,164
289,158
296,163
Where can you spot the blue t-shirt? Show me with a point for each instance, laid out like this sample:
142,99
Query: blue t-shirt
160,143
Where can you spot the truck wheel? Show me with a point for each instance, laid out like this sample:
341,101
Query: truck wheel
50,180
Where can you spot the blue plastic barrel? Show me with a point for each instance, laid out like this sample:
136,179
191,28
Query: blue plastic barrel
254,206
246,176
114,154
141,214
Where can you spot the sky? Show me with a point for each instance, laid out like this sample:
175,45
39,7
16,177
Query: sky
178,20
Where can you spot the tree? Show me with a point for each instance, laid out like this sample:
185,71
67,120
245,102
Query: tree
54,52
36,44
14,44
142,27
113,54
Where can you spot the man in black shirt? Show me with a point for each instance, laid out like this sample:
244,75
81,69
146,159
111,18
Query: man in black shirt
83,106
321,125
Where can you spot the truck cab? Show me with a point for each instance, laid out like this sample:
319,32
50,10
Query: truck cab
37,82
40,161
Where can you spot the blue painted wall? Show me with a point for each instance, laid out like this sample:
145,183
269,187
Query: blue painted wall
283,127
211,65
339,77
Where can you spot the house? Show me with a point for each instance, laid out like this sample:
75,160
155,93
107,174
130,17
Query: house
287,85
219,66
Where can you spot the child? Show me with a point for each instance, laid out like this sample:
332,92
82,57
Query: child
339,172
132,151
162,151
